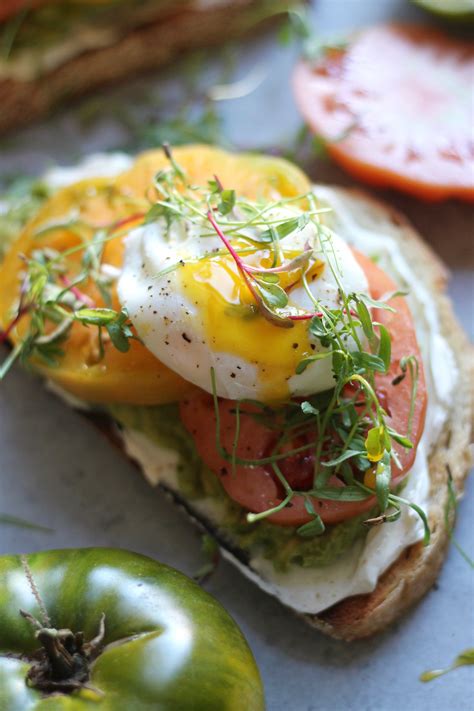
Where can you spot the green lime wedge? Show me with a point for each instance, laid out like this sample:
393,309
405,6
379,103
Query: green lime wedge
450,9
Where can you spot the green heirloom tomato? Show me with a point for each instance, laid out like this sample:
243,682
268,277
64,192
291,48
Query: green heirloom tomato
165,643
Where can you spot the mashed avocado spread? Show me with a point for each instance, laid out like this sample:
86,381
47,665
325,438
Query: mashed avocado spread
281,545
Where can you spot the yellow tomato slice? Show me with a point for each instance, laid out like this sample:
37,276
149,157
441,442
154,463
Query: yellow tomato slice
135,377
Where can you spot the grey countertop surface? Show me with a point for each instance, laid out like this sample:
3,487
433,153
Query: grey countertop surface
57,470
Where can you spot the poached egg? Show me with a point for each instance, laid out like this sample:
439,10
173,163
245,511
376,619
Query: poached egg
194,311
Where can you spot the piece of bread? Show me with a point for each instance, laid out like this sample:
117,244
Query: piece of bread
417,568
143,48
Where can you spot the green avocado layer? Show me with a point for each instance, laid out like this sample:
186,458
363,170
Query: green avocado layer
281,545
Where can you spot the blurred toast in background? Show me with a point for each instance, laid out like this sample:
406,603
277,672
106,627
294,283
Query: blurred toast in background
54,50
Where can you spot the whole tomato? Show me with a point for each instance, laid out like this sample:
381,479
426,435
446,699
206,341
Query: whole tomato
111,630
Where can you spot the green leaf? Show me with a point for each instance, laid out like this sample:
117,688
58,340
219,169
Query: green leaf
227,202
339,363
348,454
308,504
411,363
272,294
366,321
93,252
269,278
385,347
421,514
426,525
9,520
118,337
343,493
382,482
214,186
362,463
465,658
95,317
38,281
317,328
303,364
347,473
382,304
284,228
404,441
156,211
368,361
311,529
308,408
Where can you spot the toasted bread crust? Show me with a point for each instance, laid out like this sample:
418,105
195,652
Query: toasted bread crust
415,571
142,49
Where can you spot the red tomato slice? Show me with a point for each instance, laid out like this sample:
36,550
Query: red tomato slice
395,108
255,488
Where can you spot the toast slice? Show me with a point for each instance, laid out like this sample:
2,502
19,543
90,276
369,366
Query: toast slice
410,576
416,569
141,48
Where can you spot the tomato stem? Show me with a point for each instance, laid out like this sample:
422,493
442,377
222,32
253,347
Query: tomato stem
63,663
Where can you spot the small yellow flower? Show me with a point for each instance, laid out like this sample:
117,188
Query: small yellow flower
375,443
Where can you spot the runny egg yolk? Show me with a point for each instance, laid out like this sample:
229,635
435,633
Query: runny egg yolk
233,324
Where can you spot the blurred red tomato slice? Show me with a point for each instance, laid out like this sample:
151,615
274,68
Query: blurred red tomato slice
395,108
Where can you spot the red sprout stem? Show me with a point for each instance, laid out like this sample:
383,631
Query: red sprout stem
80,296
120,223
218,183
126,220
21,312
233,253
305,317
